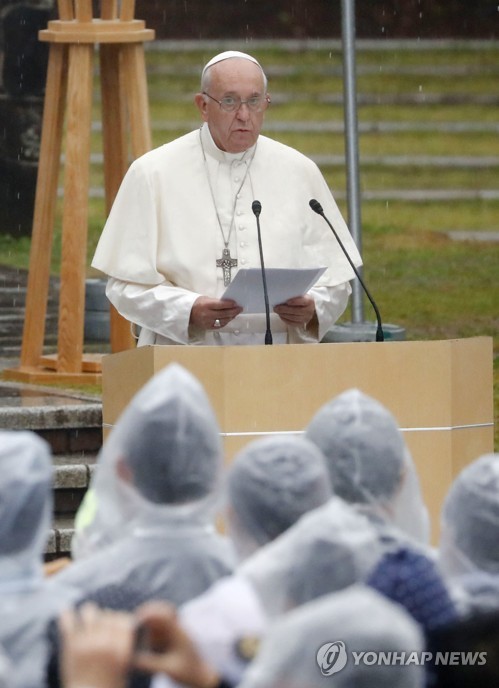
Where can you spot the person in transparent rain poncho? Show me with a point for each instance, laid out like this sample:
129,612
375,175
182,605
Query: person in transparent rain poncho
155,495
332,641
477,591
328,549
28,601
5,670
271,483
298,651
369,462
468,550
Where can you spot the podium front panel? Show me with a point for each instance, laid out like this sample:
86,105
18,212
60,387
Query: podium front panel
440,392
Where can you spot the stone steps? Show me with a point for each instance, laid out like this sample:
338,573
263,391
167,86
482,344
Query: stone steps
72,425
13,288
72,474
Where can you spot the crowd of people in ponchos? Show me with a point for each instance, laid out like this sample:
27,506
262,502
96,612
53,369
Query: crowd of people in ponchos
321,574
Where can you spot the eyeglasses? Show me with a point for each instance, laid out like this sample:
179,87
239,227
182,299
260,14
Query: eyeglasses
233,103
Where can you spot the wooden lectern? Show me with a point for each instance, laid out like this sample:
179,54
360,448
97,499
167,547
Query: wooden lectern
72,39
440,392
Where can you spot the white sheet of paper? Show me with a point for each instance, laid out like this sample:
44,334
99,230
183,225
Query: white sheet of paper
246,288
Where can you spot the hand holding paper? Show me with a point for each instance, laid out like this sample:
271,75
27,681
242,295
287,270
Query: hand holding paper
282,284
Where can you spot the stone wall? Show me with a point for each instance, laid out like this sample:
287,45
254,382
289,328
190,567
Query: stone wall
22,85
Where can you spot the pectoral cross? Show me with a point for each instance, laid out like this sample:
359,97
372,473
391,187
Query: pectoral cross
226,263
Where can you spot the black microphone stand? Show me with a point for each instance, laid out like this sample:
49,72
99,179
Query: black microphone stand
317,208
256,207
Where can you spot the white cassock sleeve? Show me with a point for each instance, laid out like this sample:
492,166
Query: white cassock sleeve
163,308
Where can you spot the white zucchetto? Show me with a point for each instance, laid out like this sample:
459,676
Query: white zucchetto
227,55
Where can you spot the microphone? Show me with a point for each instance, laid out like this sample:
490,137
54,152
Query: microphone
256,207
317,208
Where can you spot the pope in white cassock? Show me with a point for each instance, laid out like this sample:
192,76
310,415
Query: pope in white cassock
182,225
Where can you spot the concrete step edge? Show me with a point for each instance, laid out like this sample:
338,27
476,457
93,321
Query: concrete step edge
73,476
87,415
59,537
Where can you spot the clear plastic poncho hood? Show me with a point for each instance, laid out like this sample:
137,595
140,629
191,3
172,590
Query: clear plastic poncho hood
271,483
295,653
27,600
26,477
369,462
5,670
327,550
469,539
162,461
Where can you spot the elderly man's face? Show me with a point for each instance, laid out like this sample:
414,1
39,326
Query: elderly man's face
237,131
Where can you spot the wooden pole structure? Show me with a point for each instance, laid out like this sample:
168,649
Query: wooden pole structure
125,115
